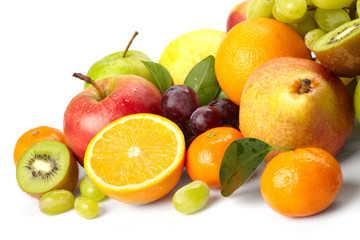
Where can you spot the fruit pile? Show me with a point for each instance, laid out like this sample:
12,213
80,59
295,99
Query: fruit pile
302,15
181,104
217,103
312,19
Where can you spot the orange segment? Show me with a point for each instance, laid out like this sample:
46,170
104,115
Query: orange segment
136,159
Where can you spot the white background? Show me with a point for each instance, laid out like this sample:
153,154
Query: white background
43,42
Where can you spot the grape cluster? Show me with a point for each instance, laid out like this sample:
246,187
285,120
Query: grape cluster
181,105
310,18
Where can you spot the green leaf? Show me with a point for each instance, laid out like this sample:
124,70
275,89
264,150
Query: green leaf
160,77
240,161
202,80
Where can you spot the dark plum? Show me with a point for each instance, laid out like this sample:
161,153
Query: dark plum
185,128
179,102
228,110
205,118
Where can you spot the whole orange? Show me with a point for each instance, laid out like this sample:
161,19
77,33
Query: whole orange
250,44
36,135
205,153
302,182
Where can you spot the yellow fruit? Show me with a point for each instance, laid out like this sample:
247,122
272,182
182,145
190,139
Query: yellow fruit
136,159
183,53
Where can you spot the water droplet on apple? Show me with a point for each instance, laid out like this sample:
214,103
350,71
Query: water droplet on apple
125,102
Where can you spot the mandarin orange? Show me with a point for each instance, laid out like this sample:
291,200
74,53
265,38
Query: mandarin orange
205,153
36,135
302,182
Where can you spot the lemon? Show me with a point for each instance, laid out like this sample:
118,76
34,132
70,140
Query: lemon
184,52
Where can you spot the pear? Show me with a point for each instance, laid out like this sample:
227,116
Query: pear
296,103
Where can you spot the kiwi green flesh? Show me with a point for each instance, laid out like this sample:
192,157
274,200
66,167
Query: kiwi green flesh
339,50
334,38
43,166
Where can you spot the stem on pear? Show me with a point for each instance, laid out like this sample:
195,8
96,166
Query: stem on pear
129,44
92,82
305,84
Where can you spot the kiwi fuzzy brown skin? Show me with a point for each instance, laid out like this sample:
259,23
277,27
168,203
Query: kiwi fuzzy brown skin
339,50
69,180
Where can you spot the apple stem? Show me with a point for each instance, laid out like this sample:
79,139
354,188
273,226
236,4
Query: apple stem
305,84
92,82
129,44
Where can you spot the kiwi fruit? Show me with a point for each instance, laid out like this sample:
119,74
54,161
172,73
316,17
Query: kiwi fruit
339,50
46,166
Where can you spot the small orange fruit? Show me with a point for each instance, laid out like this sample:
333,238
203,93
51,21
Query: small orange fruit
136,159
250,44
302,182
205,153
36,135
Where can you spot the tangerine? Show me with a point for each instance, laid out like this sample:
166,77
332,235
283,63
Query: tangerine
36,135
250,44
205,153
302,182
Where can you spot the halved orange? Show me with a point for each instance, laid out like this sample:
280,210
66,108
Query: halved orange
136,159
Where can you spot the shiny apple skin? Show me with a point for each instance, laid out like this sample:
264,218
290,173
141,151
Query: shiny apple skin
87,113
237,14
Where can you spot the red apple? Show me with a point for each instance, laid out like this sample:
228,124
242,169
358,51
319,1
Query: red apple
89,112
237,14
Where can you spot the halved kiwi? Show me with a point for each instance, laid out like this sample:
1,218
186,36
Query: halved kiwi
339,50
46,166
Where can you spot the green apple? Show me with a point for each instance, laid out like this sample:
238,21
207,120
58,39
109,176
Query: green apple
120,63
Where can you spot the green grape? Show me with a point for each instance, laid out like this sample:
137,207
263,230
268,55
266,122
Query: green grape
86,207
309,3
293,9
260,8
332,4
191,197
358,8
89,189
305,26
312,36
281,17
331,19
56,201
